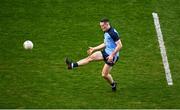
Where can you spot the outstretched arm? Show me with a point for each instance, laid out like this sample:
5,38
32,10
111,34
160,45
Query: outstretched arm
93,49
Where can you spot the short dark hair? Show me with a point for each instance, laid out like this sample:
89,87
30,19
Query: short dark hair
104,20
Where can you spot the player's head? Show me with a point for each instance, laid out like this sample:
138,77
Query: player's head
104,24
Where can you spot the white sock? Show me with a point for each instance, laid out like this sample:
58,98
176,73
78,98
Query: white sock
72,65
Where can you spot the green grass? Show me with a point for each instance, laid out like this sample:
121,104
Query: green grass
60,28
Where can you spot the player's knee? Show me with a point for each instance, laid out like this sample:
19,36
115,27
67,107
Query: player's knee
104,74
90,58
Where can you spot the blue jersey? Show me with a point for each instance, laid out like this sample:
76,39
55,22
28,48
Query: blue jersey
110,38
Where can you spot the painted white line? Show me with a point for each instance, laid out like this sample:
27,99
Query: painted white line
162,49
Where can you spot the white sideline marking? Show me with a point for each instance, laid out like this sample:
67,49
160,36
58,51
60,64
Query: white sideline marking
162,49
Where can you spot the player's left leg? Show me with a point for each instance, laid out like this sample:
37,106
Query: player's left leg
107,76
96,56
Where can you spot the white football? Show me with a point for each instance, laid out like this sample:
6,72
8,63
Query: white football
28,45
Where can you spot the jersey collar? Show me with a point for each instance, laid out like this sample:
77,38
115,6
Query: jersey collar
109,29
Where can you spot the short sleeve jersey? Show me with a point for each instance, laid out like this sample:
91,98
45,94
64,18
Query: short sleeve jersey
110,38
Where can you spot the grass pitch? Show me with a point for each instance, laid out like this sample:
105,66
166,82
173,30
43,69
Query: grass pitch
60,28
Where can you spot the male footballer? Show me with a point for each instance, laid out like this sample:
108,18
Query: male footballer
107,51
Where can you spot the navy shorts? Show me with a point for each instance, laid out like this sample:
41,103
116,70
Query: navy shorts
105,55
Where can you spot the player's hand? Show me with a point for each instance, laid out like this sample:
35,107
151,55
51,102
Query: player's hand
90,50
110,58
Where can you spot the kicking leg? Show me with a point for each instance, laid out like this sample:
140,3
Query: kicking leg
94,57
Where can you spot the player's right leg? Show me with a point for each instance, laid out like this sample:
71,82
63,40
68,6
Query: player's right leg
96,56
107,76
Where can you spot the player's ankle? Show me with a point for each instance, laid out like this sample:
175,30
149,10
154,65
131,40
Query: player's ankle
113,83
75,65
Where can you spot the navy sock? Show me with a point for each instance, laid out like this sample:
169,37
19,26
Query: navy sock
112,84
75,64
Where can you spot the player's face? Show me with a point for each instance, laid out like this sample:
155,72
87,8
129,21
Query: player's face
104,26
